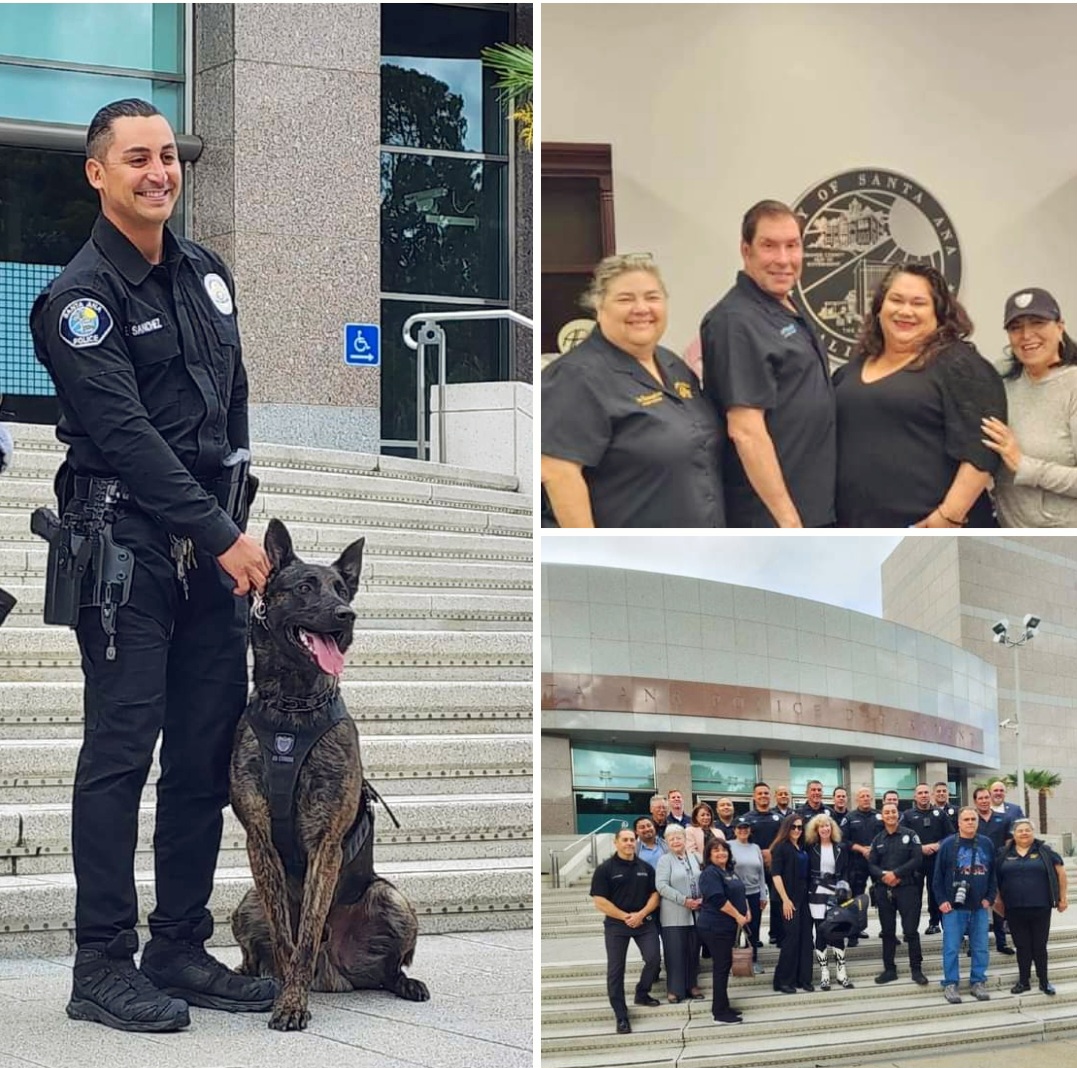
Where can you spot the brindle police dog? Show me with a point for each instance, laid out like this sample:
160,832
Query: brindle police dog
311,921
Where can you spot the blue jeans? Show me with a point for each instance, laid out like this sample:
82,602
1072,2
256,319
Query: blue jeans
976,923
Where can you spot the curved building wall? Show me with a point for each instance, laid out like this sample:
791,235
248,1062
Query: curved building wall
635,658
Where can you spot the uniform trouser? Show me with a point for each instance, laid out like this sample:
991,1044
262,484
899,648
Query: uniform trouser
753,926
777,920
1030,929
956,924
180,669
618,935
998,925
721,948
927,874
681,949
858,880
904,901
795,959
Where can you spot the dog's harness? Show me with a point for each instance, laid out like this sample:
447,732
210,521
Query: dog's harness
283,753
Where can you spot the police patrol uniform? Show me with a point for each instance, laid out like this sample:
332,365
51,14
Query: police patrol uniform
650,451
931,825
152,392
901,854
759,354
765,827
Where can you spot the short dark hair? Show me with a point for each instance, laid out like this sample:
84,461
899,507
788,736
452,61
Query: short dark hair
642,819
980,790
765,209
99,133
760,783
946,784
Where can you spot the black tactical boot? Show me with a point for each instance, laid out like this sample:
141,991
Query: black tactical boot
186,970
107,988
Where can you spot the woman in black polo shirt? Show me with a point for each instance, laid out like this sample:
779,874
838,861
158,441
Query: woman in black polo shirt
1031,882
628,440
723,912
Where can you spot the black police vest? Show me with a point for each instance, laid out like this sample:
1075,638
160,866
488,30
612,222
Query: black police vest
283,753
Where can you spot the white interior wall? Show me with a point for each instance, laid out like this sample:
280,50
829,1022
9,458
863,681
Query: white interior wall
711,107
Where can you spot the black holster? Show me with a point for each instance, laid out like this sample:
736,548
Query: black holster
235,487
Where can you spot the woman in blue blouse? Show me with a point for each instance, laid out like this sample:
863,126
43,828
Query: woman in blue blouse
725,910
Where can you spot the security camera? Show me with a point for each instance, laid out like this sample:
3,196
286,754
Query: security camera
1031,623
1006,722
999,630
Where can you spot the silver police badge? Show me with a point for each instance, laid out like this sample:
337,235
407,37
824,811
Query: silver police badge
218,293
856,226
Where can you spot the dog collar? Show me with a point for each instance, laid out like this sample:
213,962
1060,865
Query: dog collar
301,704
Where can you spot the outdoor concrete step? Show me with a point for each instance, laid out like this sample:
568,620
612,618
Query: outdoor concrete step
359,512
31,439
434,610
45,653
328,539
36,911
28,563
54,709
305,482
35,839
36,771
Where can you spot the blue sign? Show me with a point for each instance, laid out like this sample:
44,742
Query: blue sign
362,344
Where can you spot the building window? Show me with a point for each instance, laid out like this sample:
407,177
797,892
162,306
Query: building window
801,772
900,777
723,773
446,212
611,785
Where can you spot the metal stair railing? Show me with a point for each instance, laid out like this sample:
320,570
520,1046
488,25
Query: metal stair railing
431,333
558,857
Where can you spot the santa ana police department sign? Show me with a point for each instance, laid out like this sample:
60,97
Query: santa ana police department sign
856,226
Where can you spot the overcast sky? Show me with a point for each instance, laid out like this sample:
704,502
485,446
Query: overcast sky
842,571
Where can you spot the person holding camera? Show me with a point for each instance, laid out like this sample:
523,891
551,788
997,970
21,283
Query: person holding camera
894,861
965,887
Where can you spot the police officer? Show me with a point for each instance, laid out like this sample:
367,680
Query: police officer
813,806
894,862
931,825
861,827
139,336
765,822
839,810
942,801
623,890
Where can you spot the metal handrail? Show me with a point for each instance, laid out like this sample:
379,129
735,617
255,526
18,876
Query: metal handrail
432,334
555,858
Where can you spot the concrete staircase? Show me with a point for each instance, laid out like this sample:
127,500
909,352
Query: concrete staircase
438,681
841,1027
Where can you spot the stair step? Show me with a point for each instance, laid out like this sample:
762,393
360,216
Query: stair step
44,771
36,911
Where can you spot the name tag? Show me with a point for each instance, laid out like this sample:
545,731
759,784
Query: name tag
138,329
789,331
647,400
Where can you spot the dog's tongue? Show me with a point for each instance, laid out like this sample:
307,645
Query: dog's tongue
330,658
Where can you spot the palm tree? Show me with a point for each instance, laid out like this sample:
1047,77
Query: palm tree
516,66
1044,783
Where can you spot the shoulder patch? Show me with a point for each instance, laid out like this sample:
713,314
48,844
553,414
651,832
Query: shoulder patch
218,293
85,323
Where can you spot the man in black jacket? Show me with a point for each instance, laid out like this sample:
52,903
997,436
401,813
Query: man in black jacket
931,825
894,862
623,890
139,336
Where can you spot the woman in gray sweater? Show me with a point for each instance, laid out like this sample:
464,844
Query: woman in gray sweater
677,881
748,858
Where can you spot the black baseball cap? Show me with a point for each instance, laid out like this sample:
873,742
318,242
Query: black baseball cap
742,821
1035,302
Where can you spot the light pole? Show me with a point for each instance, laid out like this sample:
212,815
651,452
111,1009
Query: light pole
1001,635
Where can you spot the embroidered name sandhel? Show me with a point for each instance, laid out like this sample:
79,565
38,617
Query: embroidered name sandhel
84,323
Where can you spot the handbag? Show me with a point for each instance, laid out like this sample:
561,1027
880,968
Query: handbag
742,955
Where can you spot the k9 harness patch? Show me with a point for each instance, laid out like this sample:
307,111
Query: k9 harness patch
84,323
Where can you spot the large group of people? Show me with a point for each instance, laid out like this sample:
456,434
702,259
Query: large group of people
691,896
916,429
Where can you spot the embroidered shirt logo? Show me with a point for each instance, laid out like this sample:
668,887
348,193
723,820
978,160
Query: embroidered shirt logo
683,390
218,293
84,323
647,400
138,329
789,331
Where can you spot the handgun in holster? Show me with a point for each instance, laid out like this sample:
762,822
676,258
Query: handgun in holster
236,487
69,560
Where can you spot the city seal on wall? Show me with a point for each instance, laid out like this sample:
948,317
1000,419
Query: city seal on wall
856,226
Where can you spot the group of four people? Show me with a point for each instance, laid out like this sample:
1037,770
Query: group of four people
811,865
916,429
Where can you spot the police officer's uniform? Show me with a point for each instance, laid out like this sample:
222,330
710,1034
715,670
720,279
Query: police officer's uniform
901,854
650,451
765,826
860,829
931,825
759,354
152,392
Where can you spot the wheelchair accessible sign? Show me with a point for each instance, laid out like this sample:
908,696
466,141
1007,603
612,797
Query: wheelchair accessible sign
362,344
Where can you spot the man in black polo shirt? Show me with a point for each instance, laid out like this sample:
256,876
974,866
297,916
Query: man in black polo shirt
765,822
624,892
768,375
996,827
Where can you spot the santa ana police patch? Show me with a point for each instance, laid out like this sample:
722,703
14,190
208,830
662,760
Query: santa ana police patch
218,293
84,323
856,226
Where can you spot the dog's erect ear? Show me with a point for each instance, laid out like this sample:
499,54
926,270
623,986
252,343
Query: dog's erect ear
279,545
349,564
